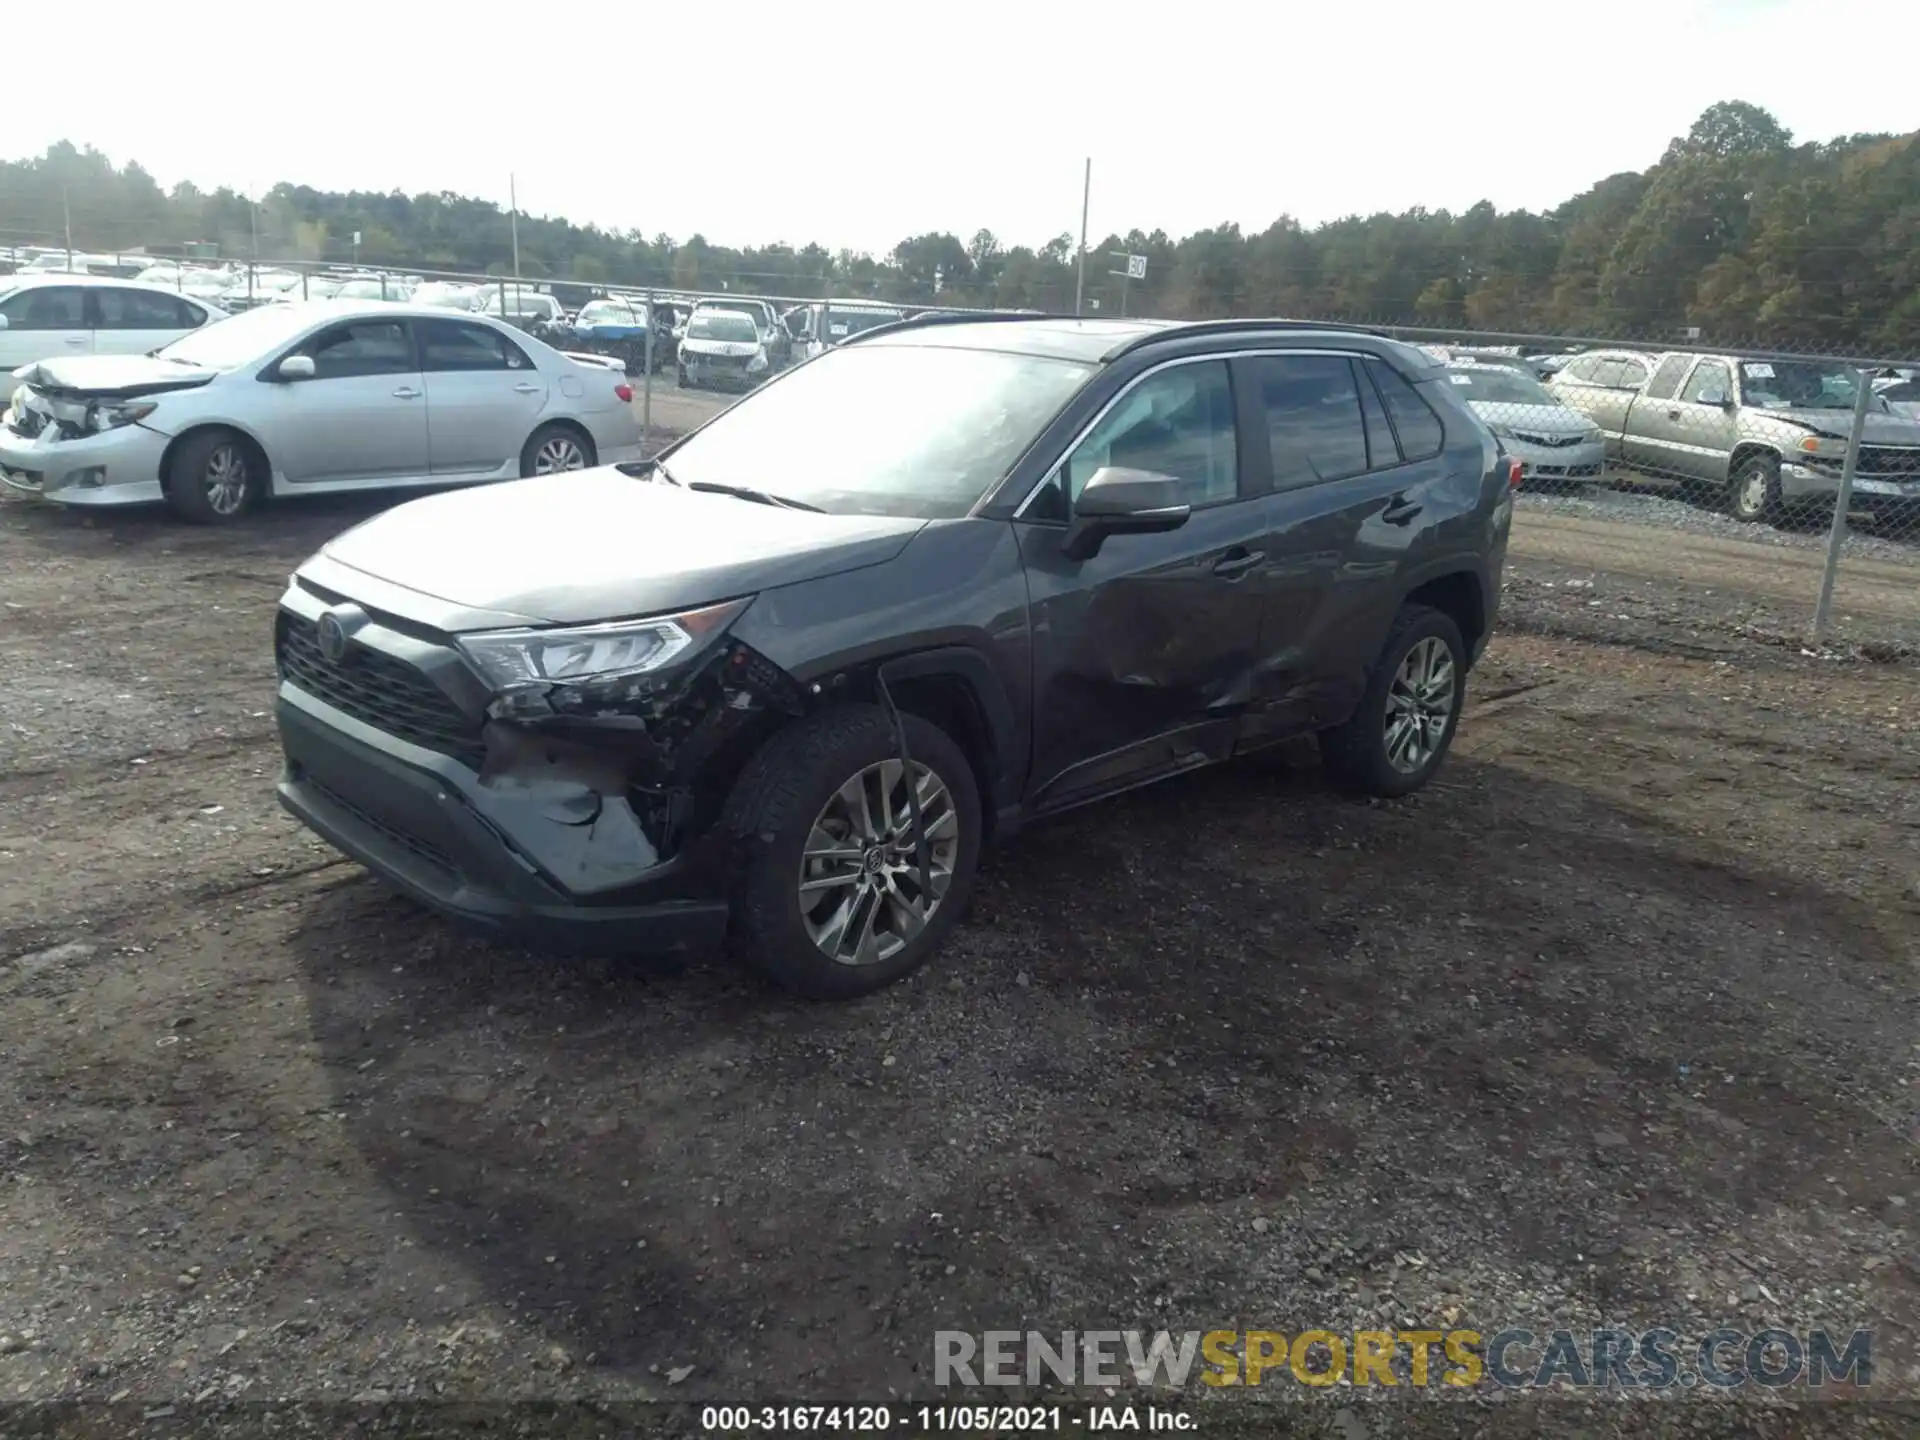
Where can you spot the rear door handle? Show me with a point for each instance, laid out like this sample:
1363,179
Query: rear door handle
407,392
1673,414
75,340
1237,561
1400,510
526,389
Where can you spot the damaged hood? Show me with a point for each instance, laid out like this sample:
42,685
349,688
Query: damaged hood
602,545
119,376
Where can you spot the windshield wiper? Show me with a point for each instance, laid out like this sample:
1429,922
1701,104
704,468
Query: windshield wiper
747,492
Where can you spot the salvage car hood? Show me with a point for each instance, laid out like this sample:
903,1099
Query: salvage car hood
602,545
1881,429
111,375
737,348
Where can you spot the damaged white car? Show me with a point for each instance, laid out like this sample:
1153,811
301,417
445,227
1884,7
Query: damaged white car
310,398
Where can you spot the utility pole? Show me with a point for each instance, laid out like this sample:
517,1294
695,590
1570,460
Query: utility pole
66,214
513,204
1080,280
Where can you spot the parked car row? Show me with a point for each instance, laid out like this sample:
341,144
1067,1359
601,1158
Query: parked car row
1765,439
301,398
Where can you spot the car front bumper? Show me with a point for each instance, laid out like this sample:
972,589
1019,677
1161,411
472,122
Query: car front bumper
1870,492
115,467
424,824
704,372
1581,464
538,841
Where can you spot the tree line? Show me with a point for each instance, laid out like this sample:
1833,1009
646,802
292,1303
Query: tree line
1736,230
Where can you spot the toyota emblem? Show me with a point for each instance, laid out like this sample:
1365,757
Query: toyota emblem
333,630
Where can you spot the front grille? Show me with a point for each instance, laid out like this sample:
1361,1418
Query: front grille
1552,441
1889,460
379,690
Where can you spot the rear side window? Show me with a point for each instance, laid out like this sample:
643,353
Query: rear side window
1420,431
1666,380
1314,426
451,345
1584,370
1382,451
144,310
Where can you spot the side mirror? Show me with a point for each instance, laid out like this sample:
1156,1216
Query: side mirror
1715,397
1119,501
3,322
295,367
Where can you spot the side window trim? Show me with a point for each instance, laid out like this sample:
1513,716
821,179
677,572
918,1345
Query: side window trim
1248,491
1363,375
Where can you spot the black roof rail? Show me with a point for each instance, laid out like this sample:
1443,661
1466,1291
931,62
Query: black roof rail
948,317
1182,329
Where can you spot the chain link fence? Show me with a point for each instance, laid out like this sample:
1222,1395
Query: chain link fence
1667,483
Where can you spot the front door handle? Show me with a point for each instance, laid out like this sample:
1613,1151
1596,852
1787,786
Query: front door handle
526,389
1673,414
1400,510
1237,562
407,392
75,340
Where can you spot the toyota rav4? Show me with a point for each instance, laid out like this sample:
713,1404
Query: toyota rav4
782,683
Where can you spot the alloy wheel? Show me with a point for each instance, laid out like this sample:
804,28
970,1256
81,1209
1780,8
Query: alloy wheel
860,894
557,454
1753,491
225,479
1419,704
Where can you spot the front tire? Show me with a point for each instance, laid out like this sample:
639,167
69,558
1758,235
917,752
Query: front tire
826,893
555,450
1403,726
1753,495
210,478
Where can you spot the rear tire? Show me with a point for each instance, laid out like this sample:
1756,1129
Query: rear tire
797,826
1401,730
556,449
211,478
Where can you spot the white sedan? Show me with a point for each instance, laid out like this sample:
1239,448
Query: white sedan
309,398
45,317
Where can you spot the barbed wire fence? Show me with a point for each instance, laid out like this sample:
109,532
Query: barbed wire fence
1671,484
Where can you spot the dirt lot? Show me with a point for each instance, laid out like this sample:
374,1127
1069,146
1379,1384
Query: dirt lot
1617,1023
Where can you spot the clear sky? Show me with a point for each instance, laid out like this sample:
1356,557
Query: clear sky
857,123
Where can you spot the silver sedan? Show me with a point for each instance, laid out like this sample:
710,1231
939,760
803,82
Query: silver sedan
1552,442
309,398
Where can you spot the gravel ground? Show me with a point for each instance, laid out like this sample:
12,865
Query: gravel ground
1614,1024
1629,505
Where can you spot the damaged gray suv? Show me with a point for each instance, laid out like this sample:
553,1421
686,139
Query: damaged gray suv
783,683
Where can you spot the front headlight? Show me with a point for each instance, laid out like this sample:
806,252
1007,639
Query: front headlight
759,360
593,664
1824,445
112,417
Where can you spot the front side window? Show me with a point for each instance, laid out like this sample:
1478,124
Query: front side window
1315,427
361,347
45,307
1584,371
1708,375
911,430
1179,423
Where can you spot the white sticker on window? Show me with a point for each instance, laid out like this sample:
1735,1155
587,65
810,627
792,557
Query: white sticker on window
839,329
1462,379
1758,370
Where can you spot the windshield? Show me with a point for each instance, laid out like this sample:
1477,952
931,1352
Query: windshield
1797,384
755,315
243,338
607,312
841,323
721,325
1500,387
911,430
